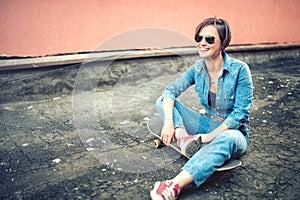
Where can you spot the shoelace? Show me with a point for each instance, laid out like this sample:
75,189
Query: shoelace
183,140
169,191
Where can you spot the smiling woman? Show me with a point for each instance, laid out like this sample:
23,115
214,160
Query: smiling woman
224,87
217,36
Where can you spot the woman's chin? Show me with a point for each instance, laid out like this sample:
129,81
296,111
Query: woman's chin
203,54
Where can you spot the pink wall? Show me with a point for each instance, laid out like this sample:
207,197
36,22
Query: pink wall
43,27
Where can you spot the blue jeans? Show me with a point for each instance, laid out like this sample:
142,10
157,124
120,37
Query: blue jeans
228,144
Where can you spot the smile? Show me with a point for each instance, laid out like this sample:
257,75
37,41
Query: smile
202,49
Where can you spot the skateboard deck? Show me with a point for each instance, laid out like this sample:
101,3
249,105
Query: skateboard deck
155,125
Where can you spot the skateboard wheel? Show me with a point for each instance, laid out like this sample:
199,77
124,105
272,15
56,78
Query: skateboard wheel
158,143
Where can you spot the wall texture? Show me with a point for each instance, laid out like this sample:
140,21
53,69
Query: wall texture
35,28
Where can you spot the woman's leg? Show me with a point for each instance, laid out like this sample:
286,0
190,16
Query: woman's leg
226,145
188,124
185,118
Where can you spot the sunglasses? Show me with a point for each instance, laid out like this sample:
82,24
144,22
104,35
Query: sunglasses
208,38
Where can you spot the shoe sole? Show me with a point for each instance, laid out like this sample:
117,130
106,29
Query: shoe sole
153,194
192,147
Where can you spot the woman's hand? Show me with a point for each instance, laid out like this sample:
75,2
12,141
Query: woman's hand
208,137
168,132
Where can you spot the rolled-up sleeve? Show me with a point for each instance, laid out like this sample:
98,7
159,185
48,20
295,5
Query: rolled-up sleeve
243,100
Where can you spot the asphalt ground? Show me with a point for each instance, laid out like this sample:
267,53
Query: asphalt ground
66,142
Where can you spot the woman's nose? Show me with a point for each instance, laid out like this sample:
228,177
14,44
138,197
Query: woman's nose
201,42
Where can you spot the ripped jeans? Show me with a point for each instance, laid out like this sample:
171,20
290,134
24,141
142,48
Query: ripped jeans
228,144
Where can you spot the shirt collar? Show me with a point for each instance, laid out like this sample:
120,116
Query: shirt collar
227,62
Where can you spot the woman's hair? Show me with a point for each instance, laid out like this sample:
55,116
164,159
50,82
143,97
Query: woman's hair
221,25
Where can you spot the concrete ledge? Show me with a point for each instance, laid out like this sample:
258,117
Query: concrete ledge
13,63
48,77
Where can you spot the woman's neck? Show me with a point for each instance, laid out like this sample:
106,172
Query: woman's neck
215,65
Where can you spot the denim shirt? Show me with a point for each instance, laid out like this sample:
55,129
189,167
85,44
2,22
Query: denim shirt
234,91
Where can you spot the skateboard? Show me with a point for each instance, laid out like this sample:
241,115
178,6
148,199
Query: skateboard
155,125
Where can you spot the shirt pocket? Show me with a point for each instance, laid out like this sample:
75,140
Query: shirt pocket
229,98
201,93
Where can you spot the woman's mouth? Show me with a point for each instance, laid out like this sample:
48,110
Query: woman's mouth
202,49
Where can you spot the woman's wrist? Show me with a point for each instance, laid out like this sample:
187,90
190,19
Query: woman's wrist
168,122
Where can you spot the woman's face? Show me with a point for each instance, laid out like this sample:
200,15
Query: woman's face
207,50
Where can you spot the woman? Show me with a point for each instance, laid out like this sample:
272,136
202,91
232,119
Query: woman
224,87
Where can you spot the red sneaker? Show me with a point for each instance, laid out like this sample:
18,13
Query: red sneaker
166,190
189,145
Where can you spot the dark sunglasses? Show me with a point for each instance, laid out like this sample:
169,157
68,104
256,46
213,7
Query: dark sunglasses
208,38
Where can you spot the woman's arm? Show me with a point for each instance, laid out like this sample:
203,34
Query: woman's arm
206,138
243,100
168,130
171,92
